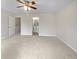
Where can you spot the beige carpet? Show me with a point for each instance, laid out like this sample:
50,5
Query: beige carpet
28,47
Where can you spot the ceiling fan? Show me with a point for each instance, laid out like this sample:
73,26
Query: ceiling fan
27,4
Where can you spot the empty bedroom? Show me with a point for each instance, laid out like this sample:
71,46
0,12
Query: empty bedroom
38,29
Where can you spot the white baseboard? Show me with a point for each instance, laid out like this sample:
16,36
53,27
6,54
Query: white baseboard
26,34
47,35
4,38
67,44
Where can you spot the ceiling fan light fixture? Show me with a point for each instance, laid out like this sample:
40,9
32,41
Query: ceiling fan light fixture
25,8
29,8
27,5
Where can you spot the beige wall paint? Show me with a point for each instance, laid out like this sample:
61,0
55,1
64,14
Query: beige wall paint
62,24
5,23
47,24
26,24
67,25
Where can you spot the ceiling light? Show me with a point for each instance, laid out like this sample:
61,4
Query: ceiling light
27,5
29,8
25,8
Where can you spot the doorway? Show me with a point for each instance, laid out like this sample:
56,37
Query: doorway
35,26
17,25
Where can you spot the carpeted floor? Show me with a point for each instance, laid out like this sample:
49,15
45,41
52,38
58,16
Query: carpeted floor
34,47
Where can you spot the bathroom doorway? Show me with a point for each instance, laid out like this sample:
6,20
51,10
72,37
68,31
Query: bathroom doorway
35,26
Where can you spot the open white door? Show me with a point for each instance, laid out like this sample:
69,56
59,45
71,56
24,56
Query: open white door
11,26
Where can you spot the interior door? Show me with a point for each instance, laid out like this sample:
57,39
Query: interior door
11,26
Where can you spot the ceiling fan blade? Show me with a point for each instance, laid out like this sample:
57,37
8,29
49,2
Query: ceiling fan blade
27,1
20,1
19,6
33,7
33,2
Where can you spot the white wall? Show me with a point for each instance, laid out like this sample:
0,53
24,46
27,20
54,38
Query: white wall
47,25
4,23
67,25
26,25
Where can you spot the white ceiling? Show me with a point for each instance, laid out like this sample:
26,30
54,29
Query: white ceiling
48,6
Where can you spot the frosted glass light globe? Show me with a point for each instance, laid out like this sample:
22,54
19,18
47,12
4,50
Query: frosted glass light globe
25,7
